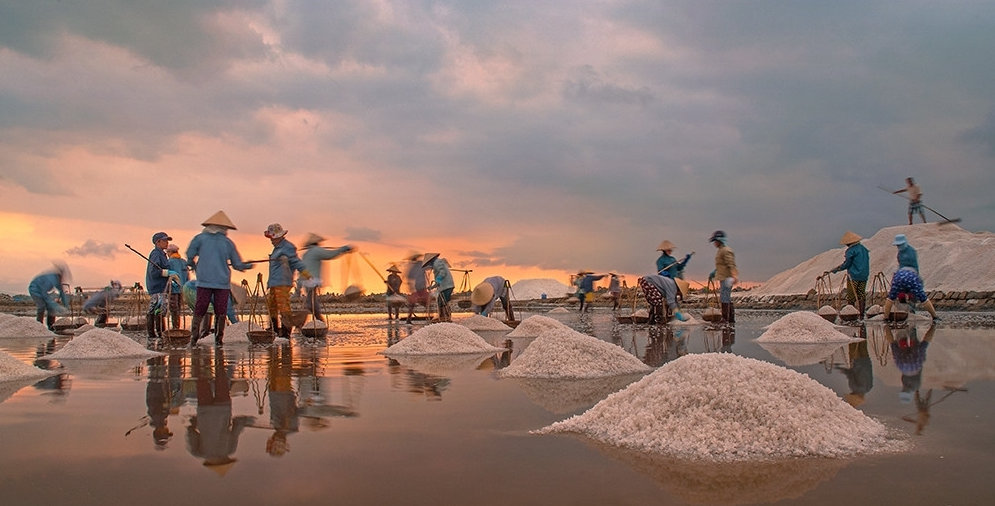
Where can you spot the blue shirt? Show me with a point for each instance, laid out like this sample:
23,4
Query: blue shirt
281,261
209,254
44,283
857,262
907,257
155,282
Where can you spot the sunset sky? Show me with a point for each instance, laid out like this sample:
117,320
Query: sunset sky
520,138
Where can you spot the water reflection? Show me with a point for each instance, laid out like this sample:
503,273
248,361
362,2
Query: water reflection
212,434
164,395
859,371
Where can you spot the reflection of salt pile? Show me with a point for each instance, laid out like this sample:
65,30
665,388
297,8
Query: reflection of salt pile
535,325
238,332
798,354
102,343
442,365
559,310
12,369
944,252
566,353
527,289
441,339
747,410
23,326
803,327
478,322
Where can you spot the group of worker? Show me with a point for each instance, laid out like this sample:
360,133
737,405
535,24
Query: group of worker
906,284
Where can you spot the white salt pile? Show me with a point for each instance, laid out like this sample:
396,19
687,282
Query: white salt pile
849,310
558,310
535,325
83,328
478,322
23,326
874,310
238,332
641,313
565,353
4,317
950,259
827,311
12,369
441,339
102,343
803,327
719,406
528,289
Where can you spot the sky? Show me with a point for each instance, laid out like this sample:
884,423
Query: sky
525,139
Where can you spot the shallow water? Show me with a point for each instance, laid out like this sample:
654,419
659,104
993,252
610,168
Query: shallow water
334,422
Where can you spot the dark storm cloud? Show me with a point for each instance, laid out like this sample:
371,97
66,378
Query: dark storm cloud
93,248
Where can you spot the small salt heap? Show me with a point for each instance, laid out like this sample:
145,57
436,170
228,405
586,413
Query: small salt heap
480,323
23,326
528,289
535,325
441,339
12,369
238,332
565,353
803,327
874,310
746,410
641,313
100,344
828,313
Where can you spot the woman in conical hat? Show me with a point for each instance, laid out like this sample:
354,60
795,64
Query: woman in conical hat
313,257
219,219
667,264
212,255
857,263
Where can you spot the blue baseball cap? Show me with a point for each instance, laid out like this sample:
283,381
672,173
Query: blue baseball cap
158,236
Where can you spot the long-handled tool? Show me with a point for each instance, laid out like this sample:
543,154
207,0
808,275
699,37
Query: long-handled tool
143,256
946,220
673,264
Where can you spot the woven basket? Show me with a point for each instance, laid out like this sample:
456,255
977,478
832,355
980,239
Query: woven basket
261,336
177,336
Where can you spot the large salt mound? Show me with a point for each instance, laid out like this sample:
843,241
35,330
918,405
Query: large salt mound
566,353
441,339
746,410
803,327
102,343
528,289
950,259
12,369
535,325
23,326
4,317
478,322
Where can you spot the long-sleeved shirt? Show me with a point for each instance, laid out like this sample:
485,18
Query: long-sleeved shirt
443,277
281,261
856,262
907,257
314,255
586,284
725,263
44,283
179,266
669,266
209,254
500,292
155,282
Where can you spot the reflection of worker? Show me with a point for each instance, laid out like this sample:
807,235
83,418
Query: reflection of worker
282,400
99,303
213,434
163,393
394,297
487,293
667,264
210,253
44,283
314,255
857,263
282,259
909,354
417,284
859,372
915,198
442,281
727,274
658,289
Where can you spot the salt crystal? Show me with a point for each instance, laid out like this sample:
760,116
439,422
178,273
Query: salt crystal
23,326
803,327
479,322
535,325
565,353
528,289
102,343
441,339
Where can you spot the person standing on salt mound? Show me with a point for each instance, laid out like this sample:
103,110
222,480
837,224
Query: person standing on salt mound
857,263
915,198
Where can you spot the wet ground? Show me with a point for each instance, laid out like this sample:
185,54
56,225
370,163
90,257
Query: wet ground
334,422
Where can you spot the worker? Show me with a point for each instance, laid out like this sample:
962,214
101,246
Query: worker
213,255
487,293
614,289
178,265
443,282
907,255
906,284
667,264
314,255
727,274
157,283
915,198
44,283
394,297
417,284
857,264
99,303
658,289
585,288
282,260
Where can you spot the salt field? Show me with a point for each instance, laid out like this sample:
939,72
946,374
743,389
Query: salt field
816,416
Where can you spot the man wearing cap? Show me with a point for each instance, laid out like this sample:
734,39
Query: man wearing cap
44,283
313,256
487,293
667,264
282,261
99,302
443,282
394,297
212,255
727,274
156,281
857,263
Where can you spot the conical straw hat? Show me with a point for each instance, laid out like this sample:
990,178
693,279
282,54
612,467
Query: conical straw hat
393,268
683,286
482,294
850,238
665,245
220,219
313,238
